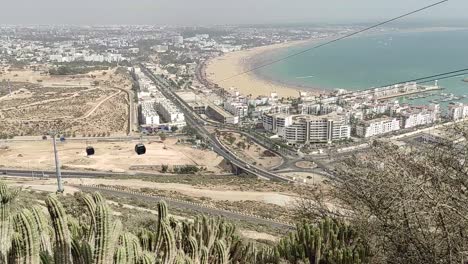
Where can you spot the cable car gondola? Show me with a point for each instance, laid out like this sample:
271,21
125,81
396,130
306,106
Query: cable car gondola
140,149
90,151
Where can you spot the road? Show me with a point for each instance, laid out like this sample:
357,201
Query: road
203,209
197,123
79,174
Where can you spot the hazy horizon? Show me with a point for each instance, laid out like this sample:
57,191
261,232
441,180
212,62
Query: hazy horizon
212,12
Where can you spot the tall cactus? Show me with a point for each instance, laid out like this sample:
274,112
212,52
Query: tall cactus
25,226
131,246
6,198
103,237
221,253
162,217
91,208
120,256
330,242
62,247
16,254
204,256
43,228
168,250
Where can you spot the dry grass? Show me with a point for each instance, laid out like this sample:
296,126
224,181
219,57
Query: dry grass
80,104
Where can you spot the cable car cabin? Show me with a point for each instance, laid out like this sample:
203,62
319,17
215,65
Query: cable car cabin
90,151
140,149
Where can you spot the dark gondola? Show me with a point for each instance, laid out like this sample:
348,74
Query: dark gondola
140,149
90,151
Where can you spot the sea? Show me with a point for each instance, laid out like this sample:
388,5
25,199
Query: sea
376,60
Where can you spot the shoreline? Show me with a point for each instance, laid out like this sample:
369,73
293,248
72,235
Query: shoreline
233,63
257,84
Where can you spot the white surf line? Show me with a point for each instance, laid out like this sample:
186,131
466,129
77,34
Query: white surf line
305,77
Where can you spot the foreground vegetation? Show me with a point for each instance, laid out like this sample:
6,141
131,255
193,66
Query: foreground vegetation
410,202
95,235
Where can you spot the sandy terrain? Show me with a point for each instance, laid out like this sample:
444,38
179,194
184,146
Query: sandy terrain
234,63
50,186
40,102
217,195
252,152
110,156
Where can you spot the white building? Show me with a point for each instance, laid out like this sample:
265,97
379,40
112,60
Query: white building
149,115
236,108
376,127
169,112
318,109
308,128
457,111
418,116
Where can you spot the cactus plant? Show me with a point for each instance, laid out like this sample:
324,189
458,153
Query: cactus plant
6,198
62,247
103,237
330,242
43,228
99,239
29,243
168,246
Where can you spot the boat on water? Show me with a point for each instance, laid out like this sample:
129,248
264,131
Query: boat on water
465,80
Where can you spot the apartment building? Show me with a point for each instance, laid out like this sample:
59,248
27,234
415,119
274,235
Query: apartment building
308,128
169,112
236,108
218,114
457,111
377,127
419,115
149,115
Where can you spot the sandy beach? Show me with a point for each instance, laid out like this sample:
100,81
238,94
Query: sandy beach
234,63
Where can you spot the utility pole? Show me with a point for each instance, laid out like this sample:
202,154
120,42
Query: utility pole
58,172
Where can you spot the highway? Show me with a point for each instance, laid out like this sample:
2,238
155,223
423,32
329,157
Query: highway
197,123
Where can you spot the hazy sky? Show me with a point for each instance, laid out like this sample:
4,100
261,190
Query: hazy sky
186,12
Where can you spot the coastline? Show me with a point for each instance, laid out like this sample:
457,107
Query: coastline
233,63
256,84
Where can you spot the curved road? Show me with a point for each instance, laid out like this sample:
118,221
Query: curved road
196,122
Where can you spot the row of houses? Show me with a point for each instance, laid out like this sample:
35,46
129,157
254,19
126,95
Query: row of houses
155,108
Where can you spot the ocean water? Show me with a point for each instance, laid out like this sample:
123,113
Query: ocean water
376,60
